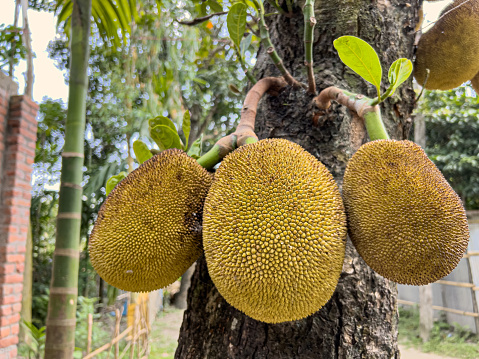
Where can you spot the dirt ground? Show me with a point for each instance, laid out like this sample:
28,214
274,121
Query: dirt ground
168,327
410,353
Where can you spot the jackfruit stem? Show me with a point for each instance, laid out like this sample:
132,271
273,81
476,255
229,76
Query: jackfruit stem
221,148
362,105
244,133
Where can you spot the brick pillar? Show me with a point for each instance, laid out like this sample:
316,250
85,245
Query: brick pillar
18,129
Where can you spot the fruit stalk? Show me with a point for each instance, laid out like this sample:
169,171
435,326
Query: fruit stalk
244,133
362,105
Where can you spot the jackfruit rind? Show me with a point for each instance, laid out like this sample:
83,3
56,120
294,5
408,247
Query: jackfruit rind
450,48
404,219
274,231
148,231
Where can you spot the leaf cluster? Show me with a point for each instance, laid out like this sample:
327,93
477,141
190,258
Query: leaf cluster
452,130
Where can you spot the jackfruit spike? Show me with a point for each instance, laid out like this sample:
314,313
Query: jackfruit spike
274,231
404,219
244,133
148,231
365,107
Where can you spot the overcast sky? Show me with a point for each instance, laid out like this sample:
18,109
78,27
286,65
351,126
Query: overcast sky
49,80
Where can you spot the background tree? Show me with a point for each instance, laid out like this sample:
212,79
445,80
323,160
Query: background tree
452,130
360,320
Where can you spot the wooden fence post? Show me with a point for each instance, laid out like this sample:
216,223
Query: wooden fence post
90,332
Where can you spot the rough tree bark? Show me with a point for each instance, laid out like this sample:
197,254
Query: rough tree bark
360,320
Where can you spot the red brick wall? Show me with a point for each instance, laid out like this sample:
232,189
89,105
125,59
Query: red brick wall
18,129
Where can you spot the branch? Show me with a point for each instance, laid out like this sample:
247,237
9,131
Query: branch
244,132
248,74
280,9
362,105
309,23
199,20
264,32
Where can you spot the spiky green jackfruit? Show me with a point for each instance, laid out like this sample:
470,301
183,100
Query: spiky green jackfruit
148,231
404,219
274,231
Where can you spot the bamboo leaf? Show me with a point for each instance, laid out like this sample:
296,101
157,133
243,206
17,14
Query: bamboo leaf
165,137
358,55
195,149
113,181
399,72
186,126
236,22
142,152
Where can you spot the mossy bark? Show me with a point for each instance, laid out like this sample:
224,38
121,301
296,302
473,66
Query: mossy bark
360,320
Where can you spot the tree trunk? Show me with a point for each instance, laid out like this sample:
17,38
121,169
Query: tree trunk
61,319
27,41
360,320
181,297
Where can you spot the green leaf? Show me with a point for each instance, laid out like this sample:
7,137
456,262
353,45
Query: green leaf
161,120
398,73
113,181
186,126
236,22
245,42
358,55
200,81
214,6
142,152
195,149
165,137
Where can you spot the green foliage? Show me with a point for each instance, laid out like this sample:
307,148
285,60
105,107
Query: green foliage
113,181
236,22
195,149
446,340
399,72
12,50
358,55
85,307
452,130
36,339
110,17
186,126
142,152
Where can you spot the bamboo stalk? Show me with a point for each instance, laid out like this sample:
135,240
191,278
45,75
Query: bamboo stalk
62,305
436,307
90,332
108,345
471,254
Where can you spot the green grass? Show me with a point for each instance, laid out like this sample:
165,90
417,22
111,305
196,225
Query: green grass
164,333
446,340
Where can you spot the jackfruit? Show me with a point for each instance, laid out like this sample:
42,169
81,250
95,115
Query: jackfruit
148,231
450,48
274,231
404,219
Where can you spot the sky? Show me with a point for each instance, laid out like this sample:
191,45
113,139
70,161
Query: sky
49,80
